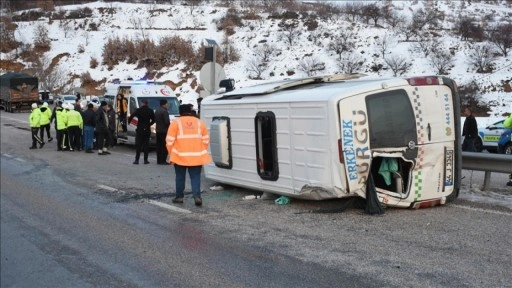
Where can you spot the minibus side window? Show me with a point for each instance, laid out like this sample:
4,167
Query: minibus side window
266,146
391,119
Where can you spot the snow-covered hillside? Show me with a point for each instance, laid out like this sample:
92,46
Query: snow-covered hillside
170,20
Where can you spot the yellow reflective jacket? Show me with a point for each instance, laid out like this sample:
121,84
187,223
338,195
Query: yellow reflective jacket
74,118
35,118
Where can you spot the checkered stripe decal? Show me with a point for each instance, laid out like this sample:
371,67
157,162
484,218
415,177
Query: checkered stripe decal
418,179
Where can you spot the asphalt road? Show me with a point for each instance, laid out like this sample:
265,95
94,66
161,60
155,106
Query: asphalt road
70,219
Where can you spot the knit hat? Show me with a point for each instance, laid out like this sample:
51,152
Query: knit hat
45,104
34,105
71,107
103,103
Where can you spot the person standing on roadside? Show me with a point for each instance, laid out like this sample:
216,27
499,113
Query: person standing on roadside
162,124
35,124
89,117
102,129
469,131
508,125
145,118
46,116
111,115
59,113
74,123
187,144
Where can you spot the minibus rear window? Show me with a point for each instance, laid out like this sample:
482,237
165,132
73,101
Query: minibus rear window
391,119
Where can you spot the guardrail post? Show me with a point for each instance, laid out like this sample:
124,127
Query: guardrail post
487,180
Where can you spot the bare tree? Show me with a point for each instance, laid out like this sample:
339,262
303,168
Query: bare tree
87,37
193,4
352,10
408,30
427,45
351,64
371,12
463,26
150,22
65,26
341,43
50,76
290,33
137,25
422,18
41,38
442,61
177,22
384,44
501,37
398,64
311,65
265,51
393,18
482,58
256,67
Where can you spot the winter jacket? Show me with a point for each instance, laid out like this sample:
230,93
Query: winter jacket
145,118
35,118
470,129
162,120
46,115
508,122
74,118
101,120
60,118
187,141
89,117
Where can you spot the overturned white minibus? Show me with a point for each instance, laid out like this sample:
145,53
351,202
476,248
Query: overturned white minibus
323,137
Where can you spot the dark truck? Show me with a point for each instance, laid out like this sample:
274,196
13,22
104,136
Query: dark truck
18,91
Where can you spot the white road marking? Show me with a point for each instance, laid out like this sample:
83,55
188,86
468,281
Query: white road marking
169,207
21,160
112,189
482,210
8,155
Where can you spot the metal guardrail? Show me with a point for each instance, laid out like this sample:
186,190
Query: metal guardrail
488,163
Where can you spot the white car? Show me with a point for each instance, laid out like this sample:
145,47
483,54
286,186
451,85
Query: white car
68,99
489,136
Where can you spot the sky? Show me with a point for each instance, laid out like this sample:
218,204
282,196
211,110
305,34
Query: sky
246,40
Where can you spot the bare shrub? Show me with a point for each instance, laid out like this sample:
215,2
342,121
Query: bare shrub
500,36
351,63
482,57
341,42
42,41
442,61
93,63
255,67
398,64
7,38
311,65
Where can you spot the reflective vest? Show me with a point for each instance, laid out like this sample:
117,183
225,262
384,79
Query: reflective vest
508,122
74,119
60,118
187,141
35,118
46,115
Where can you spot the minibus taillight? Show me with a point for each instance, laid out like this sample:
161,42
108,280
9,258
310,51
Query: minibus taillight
340,151
421,81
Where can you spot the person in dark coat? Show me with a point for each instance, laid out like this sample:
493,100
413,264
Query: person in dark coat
469,131
111,114
89,117
162,124
145,118
102,129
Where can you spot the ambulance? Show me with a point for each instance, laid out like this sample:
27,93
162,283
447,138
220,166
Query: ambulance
134,92
324,137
